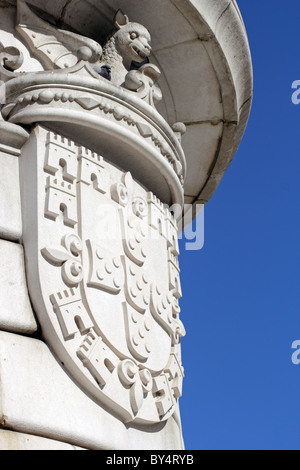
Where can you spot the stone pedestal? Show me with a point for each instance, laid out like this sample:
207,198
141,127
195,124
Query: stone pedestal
92,190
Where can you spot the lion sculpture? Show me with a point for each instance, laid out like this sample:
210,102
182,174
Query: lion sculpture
129,44
124,59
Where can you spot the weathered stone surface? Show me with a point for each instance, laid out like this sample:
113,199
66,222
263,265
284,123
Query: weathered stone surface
15,310
38,397
10,440
10,206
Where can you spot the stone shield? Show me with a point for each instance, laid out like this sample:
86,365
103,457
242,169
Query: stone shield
103,274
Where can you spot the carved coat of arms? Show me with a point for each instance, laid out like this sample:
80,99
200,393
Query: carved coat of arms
103,276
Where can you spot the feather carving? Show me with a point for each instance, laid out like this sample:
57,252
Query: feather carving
55,48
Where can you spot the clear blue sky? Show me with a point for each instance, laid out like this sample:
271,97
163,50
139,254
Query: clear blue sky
241,291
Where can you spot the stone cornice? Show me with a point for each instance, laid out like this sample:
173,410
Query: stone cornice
77,101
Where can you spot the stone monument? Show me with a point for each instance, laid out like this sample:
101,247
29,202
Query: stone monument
114,118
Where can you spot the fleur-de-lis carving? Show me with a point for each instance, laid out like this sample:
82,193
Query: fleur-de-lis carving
139,381
68,257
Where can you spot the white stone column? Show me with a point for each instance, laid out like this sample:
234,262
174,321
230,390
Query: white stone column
92,184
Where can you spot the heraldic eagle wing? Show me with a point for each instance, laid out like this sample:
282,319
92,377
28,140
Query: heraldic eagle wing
55,48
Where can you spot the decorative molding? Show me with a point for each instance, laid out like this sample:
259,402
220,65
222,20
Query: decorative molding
55,48
144,82
100,106
11,59
121,114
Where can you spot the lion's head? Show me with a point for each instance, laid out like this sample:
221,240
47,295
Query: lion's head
128,44
132,39
133,42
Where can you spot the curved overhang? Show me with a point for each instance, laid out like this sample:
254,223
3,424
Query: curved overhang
202,50
105,118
